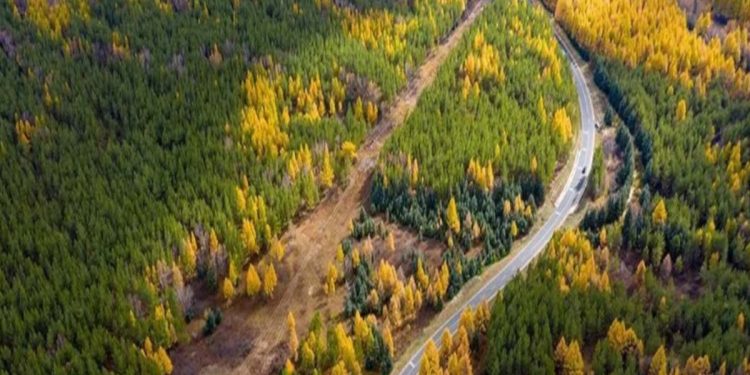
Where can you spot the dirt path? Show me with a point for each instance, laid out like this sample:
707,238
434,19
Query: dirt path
251,338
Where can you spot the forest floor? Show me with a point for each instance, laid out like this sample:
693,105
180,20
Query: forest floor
252,336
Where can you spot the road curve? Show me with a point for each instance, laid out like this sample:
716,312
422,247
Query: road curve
564,205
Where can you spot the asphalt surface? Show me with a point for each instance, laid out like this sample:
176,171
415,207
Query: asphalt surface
565,204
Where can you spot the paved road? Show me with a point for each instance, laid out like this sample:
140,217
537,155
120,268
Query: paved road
566,203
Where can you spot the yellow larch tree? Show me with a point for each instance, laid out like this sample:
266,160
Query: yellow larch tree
269,280
430,364
658,362
451,216
227,290
562,125
331,278
249,237
391,242
189,256
277,249
326,170
681,110
293,342
659,215
240,199
252,281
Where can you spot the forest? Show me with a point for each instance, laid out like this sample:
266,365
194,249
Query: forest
580,307
472,163
470,194
147,146
664,289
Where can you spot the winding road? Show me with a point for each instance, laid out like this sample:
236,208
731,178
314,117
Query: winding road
565,204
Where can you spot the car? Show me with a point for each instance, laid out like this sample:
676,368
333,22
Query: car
583,171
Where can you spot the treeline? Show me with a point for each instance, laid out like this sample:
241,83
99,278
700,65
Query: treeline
637,323
146,144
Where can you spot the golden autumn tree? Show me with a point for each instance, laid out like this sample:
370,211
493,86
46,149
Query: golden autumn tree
446,344
277,250
331,278
227,290
430,364
288,368
269,280
252,281
189,256
249,237
659,215
162,359
573,363
741,322
388,338
658,362
698,365
213,242
623,339
681,110
451,216
391,242
326,170
562,125
293,342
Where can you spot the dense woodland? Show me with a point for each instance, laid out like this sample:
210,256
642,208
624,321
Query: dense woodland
468,194
580,307
665,288
148,144
471,164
